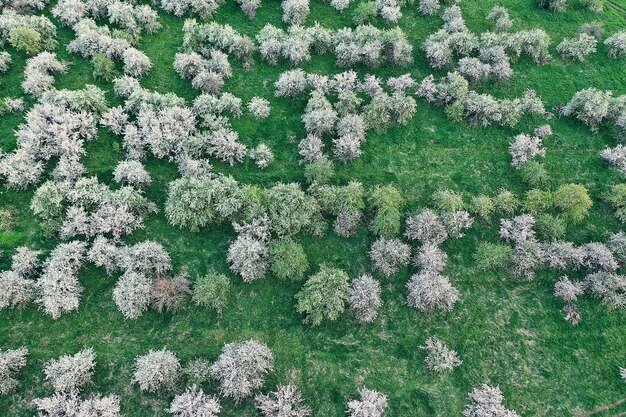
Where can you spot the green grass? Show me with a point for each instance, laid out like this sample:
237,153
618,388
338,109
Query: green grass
509,332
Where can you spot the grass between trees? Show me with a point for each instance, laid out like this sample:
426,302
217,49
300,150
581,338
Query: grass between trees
508,332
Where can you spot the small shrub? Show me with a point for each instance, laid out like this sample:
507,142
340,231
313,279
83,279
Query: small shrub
11,362
486,401
364,298
535,174
170,294
574,202
70,372
103,67
194,403
288,259
242,368
389,254
550,227
370,404
211,291
429,290
440,358
365,13
323,295
157,371
286,401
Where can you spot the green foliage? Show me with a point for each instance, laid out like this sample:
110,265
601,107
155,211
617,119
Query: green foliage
506,202
26,39
387,203
319,172
550,227
323,295
448,201
574,202
7,219
364,13
616,196
535,174
290,209
455,112
537,201
288,259
490,256
482,206
211,291
103,67
195,203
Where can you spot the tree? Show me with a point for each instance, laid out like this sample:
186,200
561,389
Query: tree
389,254
428,7
133,294
224,144
58,289
15,290
616,44
616,156
364,13
364,298
248,254
567,290
518,229
242,368
211,291
291,83
157,371
262,155
608,287
11,362
430,258
387,202
290,209
295,11
573,200
429,290
197,202
524,148
486,401
136,63
259,107
371,404
69,404
590,106
598,255
617,245
482,206
5,61
132,173
194,403
286,401
525,258
170,293
577,49
288,259
501,20
70,372
440,358
323,295
147,257
38,76
426,227
616,197
103,67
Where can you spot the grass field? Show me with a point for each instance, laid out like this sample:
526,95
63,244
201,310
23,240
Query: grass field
508,332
